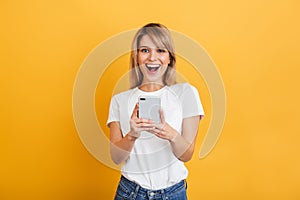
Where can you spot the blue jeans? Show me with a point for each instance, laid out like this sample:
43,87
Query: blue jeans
132,191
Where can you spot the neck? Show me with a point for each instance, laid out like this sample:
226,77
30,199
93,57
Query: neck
151,87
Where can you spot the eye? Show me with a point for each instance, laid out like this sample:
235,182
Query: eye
144,50
161,50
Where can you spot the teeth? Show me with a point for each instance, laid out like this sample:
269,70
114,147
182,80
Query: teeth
152,65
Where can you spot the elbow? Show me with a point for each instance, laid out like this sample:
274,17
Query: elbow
116,159
187,156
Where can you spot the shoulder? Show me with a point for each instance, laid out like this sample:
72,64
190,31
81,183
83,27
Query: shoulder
182,88
124,94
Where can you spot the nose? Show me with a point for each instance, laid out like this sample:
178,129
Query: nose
152,55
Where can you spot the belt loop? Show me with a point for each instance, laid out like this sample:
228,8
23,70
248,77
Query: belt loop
136,191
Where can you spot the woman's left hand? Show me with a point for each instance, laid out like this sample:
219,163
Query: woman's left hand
164,130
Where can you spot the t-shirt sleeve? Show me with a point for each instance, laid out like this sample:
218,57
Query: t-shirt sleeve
191,103
114,111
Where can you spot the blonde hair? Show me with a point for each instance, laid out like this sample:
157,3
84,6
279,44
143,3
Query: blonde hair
161,37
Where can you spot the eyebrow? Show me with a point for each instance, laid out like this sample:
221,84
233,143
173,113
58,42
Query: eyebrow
145,47
151,48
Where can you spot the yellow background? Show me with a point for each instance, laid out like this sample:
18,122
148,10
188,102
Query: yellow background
255,45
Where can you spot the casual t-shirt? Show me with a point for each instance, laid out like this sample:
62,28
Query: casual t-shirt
151,162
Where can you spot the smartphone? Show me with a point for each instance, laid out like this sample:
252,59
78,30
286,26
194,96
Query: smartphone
149,108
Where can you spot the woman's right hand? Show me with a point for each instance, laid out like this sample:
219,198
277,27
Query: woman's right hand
137,125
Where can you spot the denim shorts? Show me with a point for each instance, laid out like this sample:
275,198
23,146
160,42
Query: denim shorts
130,190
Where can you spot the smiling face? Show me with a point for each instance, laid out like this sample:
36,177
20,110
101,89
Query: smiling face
152,57
152,60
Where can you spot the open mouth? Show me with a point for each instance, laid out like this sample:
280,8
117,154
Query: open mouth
152,67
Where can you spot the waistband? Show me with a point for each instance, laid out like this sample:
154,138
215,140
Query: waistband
138,189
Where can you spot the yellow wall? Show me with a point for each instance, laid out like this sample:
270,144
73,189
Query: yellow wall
255,45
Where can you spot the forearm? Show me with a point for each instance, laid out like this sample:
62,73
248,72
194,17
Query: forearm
182,149
121,149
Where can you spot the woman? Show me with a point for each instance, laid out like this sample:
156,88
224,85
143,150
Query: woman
153,155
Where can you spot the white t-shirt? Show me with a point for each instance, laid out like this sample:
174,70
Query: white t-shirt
151,162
